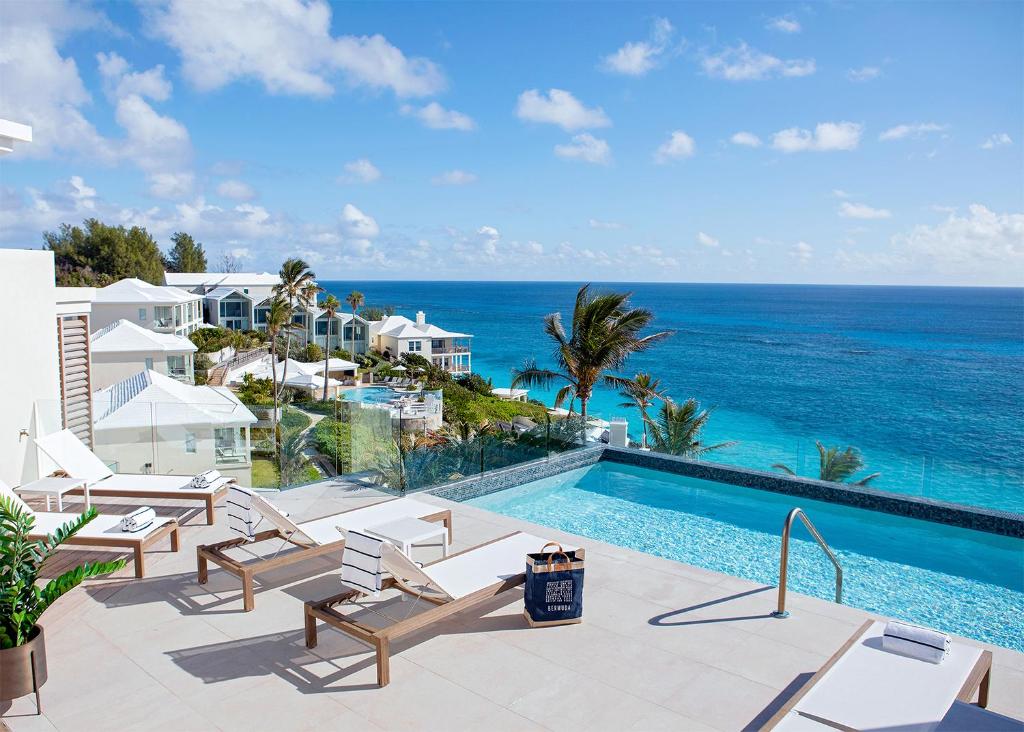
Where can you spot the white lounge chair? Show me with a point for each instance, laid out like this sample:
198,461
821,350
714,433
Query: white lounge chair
102,531
78,461
247,510
452,584
864,687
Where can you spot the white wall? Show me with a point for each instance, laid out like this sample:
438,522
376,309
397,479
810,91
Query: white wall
29,369
110,368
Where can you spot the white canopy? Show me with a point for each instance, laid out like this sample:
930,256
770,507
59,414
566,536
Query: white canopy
310,381
398,368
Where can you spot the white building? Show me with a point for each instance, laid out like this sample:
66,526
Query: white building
257,285
312,325
306,376
123,349
396,335
154,307
229,307
151,423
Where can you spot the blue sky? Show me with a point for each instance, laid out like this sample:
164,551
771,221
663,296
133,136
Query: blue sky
736,142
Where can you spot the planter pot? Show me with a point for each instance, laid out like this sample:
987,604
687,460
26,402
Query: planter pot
23,668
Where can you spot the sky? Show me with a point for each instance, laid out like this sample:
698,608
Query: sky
840,142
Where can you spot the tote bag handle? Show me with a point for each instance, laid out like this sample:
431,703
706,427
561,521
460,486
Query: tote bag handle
551,558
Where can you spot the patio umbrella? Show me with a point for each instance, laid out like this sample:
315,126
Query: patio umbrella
398,368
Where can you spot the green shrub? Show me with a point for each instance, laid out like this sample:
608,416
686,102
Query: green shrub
312,353
476,383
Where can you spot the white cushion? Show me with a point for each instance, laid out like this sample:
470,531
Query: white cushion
72,456
6,492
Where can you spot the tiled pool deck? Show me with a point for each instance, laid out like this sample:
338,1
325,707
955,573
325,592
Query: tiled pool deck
663,646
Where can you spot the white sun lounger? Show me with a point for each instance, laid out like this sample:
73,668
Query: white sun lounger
864,687
247,510
78,461
102,531
452,584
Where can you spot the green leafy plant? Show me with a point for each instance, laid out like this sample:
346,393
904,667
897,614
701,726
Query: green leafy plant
835,465
22,600
679,428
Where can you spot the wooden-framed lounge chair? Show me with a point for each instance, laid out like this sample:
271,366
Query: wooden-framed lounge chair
102,531
863,686
452,584
77,461
247,510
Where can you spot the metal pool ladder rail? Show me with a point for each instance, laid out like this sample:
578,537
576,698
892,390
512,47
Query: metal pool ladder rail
787,527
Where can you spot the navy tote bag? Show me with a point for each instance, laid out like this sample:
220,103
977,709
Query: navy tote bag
554,586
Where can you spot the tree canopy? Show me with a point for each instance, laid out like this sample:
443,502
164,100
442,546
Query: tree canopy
97,255
187,255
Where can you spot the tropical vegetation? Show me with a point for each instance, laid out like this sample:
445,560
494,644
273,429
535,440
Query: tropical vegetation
297,288
22,599
330,306
836,465
604,332
639,392
678,429
186,255
96,255
355,300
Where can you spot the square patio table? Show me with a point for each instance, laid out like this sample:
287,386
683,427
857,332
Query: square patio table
406,532
55,487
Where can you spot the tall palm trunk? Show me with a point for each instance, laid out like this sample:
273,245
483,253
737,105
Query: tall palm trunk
273,379
353,351
327,353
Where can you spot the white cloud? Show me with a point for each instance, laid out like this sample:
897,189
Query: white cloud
357,225
121,81
488,237
436,117
918,129
802,252
862,211
605,225
636,59
743,63
706,240
748,139
561,108
236,190
587,148
678,146
980,239
287,46
241,253
826,136
454,178
360,171
784,24
157,144
864,73
838,193
997,140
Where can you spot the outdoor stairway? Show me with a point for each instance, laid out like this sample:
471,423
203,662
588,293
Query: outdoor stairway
219,373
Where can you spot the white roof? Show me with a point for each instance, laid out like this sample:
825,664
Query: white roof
310,381
501,391
333,364
399,326
123,336
219,293
216,279
149,397
136,290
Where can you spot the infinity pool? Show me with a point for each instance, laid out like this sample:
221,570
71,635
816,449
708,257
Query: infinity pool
370,395
961,581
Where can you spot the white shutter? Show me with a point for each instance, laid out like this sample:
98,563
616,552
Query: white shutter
75,383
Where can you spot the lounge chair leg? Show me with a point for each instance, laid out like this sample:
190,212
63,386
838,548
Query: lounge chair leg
248,594
175,539
202,566
209,510
383,661
140,561
983,689
310,629
448,525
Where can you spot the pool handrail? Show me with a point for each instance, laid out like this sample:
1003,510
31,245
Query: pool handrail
787,527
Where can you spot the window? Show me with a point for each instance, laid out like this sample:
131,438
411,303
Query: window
245,290
231,309
261,316
437,344
149,363
299,318
190,443
415,346
321,327
176,366
142,315
230,444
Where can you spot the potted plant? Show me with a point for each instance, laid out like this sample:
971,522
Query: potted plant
23,600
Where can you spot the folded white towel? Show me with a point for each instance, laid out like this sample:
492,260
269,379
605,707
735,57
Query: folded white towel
138,519
924,644
360,562
204,480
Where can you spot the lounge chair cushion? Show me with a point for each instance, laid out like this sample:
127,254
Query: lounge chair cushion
72,456
6,492
325,530
104,526
155,483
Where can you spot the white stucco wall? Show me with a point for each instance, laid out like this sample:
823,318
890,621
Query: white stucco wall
29,370
110,368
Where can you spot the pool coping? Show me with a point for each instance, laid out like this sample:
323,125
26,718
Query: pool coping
993,521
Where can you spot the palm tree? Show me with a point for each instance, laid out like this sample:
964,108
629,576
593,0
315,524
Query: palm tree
678,429
297,287
835,466
605,331
640,392
279,318
330,307
355,300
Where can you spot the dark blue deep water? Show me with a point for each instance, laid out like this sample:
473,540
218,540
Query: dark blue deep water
925,381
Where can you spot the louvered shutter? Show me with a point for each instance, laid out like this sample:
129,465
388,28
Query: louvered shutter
75,383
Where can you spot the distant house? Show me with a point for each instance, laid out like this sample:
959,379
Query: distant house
257,285
312,326
396,335
229,307
158,308
123,349
151,423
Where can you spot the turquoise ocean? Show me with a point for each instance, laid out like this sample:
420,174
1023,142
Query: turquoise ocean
927,382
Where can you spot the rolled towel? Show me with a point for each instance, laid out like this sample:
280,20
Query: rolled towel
138,519
204,480
914,641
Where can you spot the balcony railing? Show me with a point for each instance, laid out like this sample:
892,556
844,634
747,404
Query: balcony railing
449,350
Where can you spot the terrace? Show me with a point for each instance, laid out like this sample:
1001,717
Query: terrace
663,645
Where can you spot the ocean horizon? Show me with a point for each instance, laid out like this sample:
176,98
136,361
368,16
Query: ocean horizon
923,380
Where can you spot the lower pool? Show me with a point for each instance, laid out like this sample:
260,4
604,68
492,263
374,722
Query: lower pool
370,395
961,581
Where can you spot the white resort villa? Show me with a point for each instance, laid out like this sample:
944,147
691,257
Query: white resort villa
123,349
157,308
396,335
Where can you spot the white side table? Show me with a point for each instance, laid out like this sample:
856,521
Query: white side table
57,487
408,531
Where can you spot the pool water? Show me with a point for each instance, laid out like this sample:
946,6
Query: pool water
370,395
966,582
